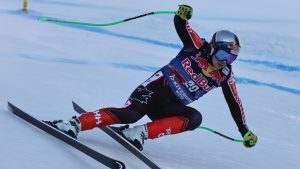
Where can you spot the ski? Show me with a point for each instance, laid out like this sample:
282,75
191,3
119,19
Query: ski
109,162
108,130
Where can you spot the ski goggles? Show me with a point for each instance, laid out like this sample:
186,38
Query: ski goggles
223,55
231,47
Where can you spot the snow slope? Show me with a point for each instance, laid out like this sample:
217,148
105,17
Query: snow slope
44,66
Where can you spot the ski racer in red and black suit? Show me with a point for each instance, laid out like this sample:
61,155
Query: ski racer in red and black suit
198,68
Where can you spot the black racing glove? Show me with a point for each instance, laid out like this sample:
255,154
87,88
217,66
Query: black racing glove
250,139
185,12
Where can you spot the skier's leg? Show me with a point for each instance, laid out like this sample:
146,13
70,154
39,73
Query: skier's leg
188,120
141,101
108,116
144,98
172,119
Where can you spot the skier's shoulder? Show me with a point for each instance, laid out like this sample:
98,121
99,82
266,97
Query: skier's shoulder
204,49
205,44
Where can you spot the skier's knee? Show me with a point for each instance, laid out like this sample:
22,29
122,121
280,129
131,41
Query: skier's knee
195,119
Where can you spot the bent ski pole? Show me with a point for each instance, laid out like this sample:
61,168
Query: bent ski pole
220,134
45,19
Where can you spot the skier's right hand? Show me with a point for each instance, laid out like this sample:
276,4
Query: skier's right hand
250,139
185,12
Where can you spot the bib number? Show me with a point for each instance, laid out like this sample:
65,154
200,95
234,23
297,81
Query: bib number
191,86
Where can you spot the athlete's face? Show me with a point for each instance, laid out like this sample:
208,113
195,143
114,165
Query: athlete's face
218,64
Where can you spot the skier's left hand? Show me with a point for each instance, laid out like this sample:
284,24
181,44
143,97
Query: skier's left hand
185,12
250,139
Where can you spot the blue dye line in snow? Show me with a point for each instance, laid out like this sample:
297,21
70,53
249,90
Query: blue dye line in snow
153,69
272,85
238,79
278,66
119,35
176,46
55,60
135,67
273,65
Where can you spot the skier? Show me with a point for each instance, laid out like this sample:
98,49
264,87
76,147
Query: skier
198,68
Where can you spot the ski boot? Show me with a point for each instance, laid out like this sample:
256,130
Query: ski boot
135,135
71,127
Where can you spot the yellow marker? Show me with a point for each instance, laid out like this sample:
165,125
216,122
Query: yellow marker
25,6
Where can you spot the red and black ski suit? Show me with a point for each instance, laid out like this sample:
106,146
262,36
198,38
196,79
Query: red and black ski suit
165,95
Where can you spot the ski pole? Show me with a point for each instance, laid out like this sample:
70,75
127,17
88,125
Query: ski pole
220,134
45,19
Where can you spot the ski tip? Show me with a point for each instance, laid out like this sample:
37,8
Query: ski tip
74,104
10,105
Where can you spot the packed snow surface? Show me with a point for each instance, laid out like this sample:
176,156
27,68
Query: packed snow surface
44,66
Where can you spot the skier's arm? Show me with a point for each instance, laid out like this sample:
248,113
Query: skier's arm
187,35
237,111
235,104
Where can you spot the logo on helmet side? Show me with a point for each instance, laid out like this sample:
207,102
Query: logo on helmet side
234,47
